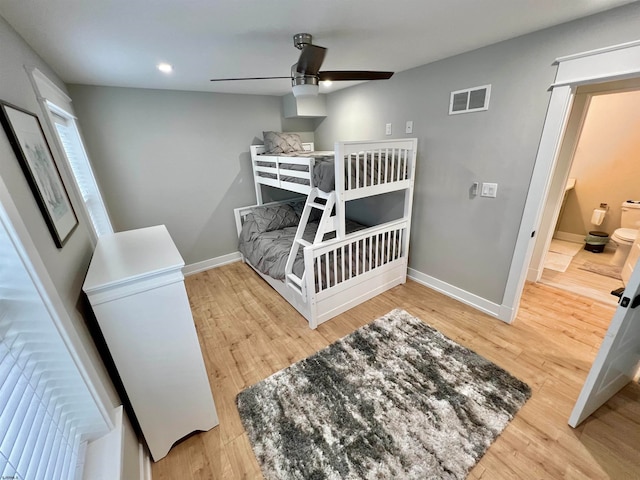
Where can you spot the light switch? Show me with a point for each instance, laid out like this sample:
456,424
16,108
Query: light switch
489,190
387,129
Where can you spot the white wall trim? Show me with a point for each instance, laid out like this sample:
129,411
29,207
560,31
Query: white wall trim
46,89
575,238
597,51
198,267
456,293
104,455
17,230
145,463
596,66
48,94
569,237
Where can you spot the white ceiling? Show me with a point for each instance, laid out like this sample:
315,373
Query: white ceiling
120,42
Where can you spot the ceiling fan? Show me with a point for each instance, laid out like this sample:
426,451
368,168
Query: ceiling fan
306,75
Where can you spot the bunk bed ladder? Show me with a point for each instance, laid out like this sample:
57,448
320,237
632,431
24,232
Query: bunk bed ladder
326,224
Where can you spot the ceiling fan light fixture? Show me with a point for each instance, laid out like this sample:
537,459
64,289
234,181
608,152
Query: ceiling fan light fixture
305,90
306,74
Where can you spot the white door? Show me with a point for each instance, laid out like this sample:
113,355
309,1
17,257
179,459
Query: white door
619,357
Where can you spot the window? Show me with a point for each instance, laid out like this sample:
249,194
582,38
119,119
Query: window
47,413
59,117
80,167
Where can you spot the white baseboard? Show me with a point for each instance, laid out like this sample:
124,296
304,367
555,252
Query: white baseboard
575,238
211,263
490,308
145,463
569,237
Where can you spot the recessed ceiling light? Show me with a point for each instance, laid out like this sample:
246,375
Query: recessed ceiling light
165,68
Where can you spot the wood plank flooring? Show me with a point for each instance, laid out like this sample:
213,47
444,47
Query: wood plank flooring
247,332
582,282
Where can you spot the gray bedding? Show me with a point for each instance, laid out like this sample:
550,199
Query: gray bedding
268,251
324,171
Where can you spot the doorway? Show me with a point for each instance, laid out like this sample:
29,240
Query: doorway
598,168
618,63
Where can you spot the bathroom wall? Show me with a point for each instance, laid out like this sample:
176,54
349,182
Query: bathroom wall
606,165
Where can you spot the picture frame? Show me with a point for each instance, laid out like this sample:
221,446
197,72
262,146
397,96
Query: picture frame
30,146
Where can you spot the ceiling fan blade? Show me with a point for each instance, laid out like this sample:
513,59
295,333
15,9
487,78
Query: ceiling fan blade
245,78
353,75
311,59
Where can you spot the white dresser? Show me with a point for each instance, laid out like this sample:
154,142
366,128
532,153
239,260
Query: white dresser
135,286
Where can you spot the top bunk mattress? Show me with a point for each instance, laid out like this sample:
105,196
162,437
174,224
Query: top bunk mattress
323,174
366,170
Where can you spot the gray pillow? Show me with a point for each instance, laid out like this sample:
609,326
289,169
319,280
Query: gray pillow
275,217
276,142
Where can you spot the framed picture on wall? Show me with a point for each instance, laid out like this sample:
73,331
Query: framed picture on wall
27,139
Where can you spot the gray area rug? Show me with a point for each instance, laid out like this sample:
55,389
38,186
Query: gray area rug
612,271
394,399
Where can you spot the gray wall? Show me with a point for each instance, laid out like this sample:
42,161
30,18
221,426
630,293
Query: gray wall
176,158
469,242
66,266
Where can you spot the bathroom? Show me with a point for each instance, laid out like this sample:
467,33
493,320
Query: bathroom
605,170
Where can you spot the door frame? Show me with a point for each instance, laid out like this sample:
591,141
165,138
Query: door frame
560,174
618,62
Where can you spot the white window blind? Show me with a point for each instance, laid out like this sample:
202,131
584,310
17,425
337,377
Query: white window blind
46,410
82,172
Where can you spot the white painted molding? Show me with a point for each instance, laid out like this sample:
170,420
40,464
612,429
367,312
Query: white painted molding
506,314
575,238
145,463
618,62
47,90
456,293
595,66
569,237
550,143
198,267
597,51
103,460
17,230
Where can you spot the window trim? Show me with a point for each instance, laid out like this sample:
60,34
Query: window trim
52,99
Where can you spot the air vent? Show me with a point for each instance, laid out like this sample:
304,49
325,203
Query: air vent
473,99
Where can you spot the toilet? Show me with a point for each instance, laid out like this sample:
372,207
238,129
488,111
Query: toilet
624,236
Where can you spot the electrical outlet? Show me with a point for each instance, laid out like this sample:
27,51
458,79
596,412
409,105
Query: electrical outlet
489,190
409,127
387,129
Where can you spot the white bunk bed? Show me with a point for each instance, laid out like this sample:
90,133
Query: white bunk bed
350,268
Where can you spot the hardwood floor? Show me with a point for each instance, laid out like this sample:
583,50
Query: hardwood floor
582,282
247,332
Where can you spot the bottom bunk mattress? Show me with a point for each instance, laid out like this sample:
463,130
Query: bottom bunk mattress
268,251
268,233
